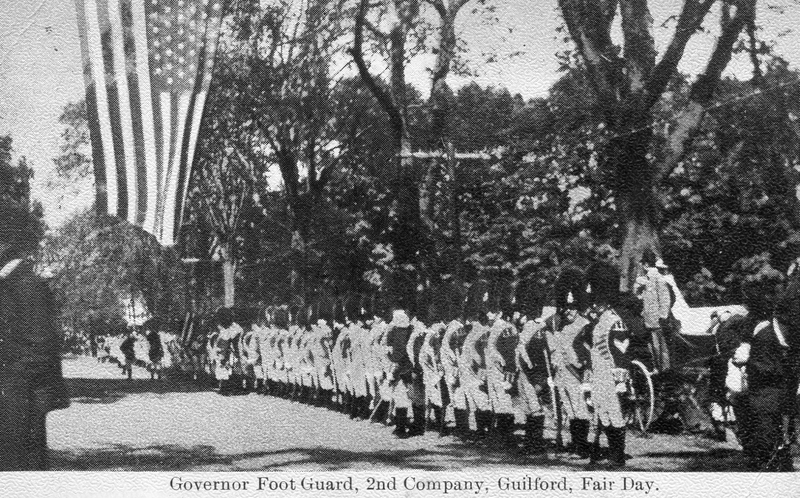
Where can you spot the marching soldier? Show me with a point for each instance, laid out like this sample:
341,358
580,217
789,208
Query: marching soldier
532,383
473,375
452,345
227,351
320,355
340,359
416,391
400,377
379,368
436,393
531,358
501,374
358,371
568,359
609,360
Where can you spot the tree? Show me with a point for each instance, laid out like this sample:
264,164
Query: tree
97,261
284,55
409,239
628,82
15,187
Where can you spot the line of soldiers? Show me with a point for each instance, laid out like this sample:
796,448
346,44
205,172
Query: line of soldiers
486,368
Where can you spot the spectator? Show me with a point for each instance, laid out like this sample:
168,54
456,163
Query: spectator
30,351
156,350
128,350
657,303
227,352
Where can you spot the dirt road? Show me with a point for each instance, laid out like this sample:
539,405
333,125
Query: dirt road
117,424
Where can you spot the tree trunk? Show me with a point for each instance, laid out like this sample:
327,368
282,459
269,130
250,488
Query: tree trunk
228,276
408,236
637,205
455,215
640,235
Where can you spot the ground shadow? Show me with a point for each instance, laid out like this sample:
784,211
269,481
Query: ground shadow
146,458
105,391
176,457
449,456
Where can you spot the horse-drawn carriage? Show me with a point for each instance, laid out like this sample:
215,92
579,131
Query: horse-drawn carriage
683,388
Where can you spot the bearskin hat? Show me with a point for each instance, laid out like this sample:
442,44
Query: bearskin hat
569,289
224,317
760,295
280,317
602,280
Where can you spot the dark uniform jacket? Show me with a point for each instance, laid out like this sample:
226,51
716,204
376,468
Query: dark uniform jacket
30,343
397,339
30,368
770,364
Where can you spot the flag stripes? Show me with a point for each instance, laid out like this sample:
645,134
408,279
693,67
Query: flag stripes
147,68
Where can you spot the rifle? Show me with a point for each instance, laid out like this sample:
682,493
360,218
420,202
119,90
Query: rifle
556,400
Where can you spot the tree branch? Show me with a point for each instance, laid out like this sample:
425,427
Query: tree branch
702,90
640,50
689,21
384,98
589,26
375,31
758,76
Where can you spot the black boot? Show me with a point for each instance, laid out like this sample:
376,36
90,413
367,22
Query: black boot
616,446
462,423
352,408
382,412
418,427
504,431
483,423
596,454
579,439
400,423
364,409
534,442
441,423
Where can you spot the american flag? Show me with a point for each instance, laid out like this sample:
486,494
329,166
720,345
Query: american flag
147,67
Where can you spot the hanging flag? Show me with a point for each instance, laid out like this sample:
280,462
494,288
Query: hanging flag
147,67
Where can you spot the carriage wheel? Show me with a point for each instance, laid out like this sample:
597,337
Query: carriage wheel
643,405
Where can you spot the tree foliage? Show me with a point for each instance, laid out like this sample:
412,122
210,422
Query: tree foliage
299,184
